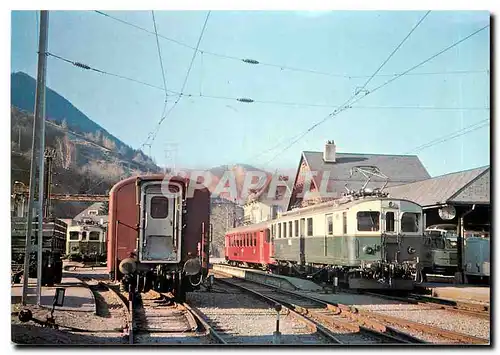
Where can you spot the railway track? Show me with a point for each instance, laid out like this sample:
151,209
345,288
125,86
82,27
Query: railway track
241,317
463,308
330,324
390,325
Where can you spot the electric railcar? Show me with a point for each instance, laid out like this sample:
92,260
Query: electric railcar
86,242
367,242
158,236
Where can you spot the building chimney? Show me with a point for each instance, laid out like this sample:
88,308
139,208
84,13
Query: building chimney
329,152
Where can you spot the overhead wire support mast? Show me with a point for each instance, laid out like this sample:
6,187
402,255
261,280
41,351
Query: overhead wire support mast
39,119
345,107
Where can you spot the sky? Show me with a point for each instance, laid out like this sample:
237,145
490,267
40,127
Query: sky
202,131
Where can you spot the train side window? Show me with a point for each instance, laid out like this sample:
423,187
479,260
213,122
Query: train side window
279,230
329,224
290,234
296,227
74,235
94,236
368,221
268,236
344,222
389,222
284,229
255,239
273,230
309,226
159,207
410,222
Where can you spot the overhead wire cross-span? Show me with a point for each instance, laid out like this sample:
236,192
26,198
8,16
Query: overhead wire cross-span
345,107
181,94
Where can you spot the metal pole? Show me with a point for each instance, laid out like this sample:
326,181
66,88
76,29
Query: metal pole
40,116
29,221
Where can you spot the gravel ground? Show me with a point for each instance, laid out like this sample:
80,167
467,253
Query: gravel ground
439,318
241,318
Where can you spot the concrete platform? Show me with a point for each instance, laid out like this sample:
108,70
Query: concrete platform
284,282
456,292
77,298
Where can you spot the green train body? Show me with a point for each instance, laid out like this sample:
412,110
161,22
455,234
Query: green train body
372,242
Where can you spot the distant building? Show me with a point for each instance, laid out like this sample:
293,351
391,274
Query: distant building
96,213
333,172
264,204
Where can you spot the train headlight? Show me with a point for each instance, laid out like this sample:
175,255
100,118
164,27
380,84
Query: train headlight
128,266
411,250
368,250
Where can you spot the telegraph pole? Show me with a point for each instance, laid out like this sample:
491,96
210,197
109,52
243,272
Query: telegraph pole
38,127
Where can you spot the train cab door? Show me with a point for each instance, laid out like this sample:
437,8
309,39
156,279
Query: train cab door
389,236
302,242
159,234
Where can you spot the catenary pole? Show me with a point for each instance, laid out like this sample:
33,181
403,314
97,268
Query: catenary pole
37,127
40,117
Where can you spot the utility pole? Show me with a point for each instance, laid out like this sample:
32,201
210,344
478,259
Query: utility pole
38,125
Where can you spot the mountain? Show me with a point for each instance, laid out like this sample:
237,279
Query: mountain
87,158
59,110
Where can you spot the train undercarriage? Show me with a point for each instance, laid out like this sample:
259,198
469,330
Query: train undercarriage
369,276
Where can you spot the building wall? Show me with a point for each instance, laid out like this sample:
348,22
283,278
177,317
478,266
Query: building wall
223,216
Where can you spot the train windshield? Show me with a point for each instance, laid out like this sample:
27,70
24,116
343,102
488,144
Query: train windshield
410,222
73,235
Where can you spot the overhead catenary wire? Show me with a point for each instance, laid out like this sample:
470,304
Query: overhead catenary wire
270,102
153,137
279,66
337,111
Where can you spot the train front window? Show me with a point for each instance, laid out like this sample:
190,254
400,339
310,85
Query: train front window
159,207
389,222
73,235
94,236
368,221
410,222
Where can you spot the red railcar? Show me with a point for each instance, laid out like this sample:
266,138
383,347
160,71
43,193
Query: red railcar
249,245
158,236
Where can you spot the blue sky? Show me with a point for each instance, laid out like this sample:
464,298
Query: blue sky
212,132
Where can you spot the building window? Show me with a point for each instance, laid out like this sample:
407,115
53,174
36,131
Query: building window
389,222
93,212
309,226
94,236
329,224
368,221
74,235
410,222
284,230
290,229
344,222
296,227
159,207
